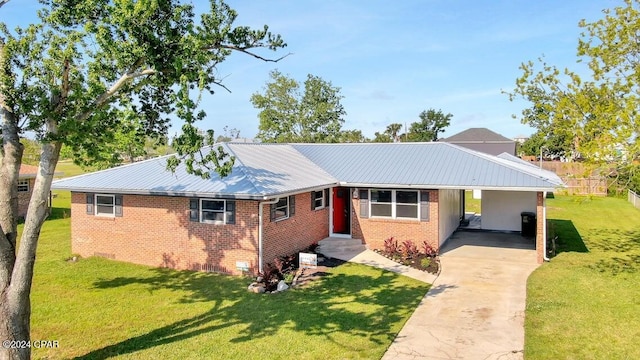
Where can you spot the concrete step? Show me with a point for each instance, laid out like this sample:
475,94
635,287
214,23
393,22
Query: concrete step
340,245
348,248
332,241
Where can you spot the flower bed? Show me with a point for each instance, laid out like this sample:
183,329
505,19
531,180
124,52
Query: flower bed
407,253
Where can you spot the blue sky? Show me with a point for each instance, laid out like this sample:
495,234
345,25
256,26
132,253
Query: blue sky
393,59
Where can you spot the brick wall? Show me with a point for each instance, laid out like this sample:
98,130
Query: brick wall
156,231
24,198
373,231
297,232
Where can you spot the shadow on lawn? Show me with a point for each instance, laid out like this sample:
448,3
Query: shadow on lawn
316,309
569,239
623,246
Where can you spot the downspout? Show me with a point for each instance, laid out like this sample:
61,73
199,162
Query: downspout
544,226
261,228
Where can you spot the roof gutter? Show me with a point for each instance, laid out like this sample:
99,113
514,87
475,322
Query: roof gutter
448,187
261,229
194,194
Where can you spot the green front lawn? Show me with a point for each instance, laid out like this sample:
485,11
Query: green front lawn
97,308
585,303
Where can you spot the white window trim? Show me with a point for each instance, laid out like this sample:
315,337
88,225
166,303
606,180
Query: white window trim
215,222
95,205
23,183
324,200
288,206
394,204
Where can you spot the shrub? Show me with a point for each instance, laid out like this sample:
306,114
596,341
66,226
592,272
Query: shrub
391,246
428,249
285,263
408,249
288,277
270,277
425,262
312,248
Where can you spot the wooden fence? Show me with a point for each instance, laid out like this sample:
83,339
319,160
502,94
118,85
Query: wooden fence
634,199
585,186
579,178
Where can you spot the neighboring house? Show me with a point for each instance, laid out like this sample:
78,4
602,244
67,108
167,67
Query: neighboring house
483,140
281,198
26,179
521,139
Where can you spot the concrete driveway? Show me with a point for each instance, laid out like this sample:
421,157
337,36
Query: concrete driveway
475,309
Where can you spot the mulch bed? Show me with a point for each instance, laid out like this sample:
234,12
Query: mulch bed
415,262
323,269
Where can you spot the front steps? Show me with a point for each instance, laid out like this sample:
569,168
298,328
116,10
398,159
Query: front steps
335,247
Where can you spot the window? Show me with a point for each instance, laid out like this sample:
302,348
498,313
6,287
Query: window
319,200
281,209
401,204
381,204
105,205
23,186
407,204
212,211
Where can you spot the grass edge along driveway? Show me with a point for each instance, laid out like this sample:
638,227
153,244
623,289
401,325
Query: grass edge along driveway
585,303
97,309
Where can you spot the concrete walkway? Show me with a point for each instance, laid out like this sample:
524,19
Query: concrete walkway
371,258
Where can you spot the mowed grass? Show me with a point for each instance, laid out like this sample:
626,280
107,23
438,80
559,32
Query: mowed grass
98,309
67,168
585,303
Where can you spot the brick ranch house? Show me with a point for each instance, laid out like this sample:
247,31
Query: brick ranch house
281,198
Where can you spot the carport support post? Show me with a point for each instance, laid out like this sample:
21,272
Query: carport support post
540,228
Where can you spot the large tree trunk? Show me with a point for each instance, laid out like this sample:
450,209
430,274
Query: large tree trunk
15,303
10,159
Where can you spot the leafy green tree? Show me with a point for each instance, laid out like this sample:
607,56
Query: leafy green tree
381,137
289,114
393,130
352,136
31,152
390,134
431,124
595,115
68,78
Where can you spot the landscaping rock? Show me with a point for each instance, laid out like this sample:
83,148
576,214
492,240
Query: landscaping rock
256,288
282,286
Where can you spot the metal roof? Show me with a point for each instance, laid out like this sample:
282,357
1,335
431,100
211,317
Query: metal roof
267,170
477,135
259,171
432,165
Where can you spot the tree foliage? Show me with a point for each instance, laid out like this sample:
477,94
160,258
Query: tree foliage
88,72
390,134
288,113
594,115
352,136
431,124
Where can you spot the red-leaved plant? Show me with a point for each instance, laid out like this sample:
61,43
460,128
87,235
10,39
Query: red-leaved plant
428,249
408,249
390,246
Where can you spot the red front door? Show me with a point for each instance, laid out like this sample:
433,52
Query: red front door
341,211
